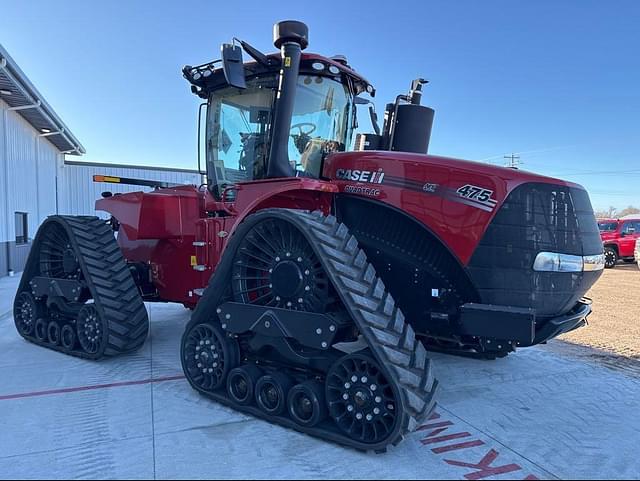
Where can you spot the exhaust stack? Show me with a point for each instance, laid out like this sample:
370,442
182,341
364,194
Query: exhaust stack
291,37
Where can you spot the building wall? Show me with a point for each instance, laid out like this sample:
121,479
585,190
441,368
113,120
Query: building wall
77,193
34,179
28,163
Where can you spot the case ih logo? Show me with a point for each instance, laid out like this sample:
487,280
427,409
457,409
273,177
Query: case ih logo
360,175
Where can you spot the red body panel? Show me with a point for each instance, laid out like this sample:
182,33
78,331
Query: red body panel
172,232
458,223
182,232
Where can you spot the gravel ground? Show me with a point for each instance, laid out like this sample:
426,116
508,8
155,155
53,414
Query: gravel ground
614,326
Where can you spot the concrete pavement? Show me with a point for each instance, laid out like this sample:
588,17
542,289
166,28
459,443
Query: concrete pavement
539,414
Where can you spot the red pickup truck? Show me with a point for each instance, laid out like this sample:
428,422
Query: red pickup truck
619,238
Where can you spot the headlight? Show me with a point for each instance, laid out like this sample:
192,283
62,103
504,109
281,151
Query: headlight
554,262
594,263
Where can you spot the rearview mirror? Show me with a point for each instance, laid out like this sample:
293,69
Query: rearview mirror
232,65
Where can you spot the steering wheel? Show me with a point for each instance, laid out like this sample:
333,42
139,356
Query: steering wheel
304,124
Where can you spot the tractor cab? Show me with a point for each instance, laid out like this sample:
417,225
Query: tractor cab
278,116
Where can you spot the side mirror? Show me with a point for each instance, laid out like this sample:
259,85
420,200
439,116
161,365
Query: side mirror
232,65
372,112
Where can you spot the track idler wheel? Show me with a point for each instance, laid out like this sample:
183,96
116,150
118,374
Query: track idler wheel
53,333
306,404
68,338
91,332
361,401
241,383
40,330
271,393
26,312
209,356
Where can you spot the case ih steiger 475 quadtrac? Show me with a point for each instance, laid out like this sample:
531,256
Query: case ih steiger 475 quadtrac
318,276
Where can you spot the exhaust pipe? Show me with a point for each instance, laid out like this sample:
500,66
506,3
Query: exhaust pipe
291,37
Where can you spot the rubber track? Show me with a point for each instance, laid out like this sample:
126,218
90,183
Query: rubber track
390,338
109,281
383,326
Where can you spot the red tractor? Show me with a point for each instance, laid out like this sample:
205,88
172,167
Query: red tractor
319,277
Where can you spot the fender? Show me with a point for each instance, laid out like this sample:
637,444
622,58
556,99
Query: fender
291,193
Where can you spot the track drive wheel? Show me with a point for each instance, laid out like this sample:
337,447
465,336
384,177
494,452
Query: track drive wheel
361,401
91,331
27,310
208,356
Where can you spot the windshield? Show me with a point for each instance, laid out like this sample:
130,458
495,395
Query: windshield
239,122
607,226
322,123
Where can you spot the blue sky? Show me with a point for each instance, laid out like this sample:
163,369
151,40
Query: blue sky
557,81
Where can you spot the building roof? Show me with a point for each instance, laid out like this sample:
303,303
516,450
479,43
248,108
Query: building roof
20,94
106,165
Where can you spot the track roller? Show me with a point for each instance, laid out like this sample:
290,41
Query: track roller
271,393
241,383
53,333
40,330
306,403
68,338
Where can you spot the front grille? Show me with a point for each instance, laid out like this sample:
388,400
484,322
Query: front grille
536,218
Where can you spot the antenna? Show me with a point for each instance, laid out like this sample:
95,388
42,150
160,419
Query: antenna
513,161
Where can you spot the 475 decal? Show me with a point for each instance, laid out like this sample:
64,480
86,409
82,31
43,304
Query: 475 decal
478,195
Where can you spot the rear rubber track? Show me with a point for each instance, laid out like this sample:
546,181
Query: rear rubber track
109,281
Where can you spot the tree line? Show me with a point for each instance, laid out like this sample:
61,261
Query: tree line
614,212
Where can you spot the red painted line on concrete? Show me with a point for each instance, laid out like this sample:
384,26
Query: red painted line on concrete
435,425
455,447
442,439
483,468
90,388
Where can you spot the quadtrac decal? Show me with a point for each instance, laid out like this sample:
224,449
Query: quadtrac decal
477,196
362,190
361,175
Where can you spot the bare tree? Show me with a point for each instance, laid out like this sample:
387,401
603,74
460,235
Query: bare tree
609,213
628,211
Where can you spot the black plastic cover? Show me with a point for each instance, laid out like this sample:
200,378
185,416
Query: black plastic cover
536,218
412,128
290,31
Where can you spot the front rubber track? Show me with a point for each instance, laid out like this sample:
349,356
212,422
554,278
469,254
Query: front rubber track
390,338
108,279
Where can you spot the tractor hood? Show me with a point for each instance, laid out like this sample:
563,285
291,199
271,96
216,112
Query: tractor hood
408,164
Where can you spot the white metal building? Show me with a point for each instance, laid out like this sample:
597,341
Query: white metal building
77,192
35,180
33,141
